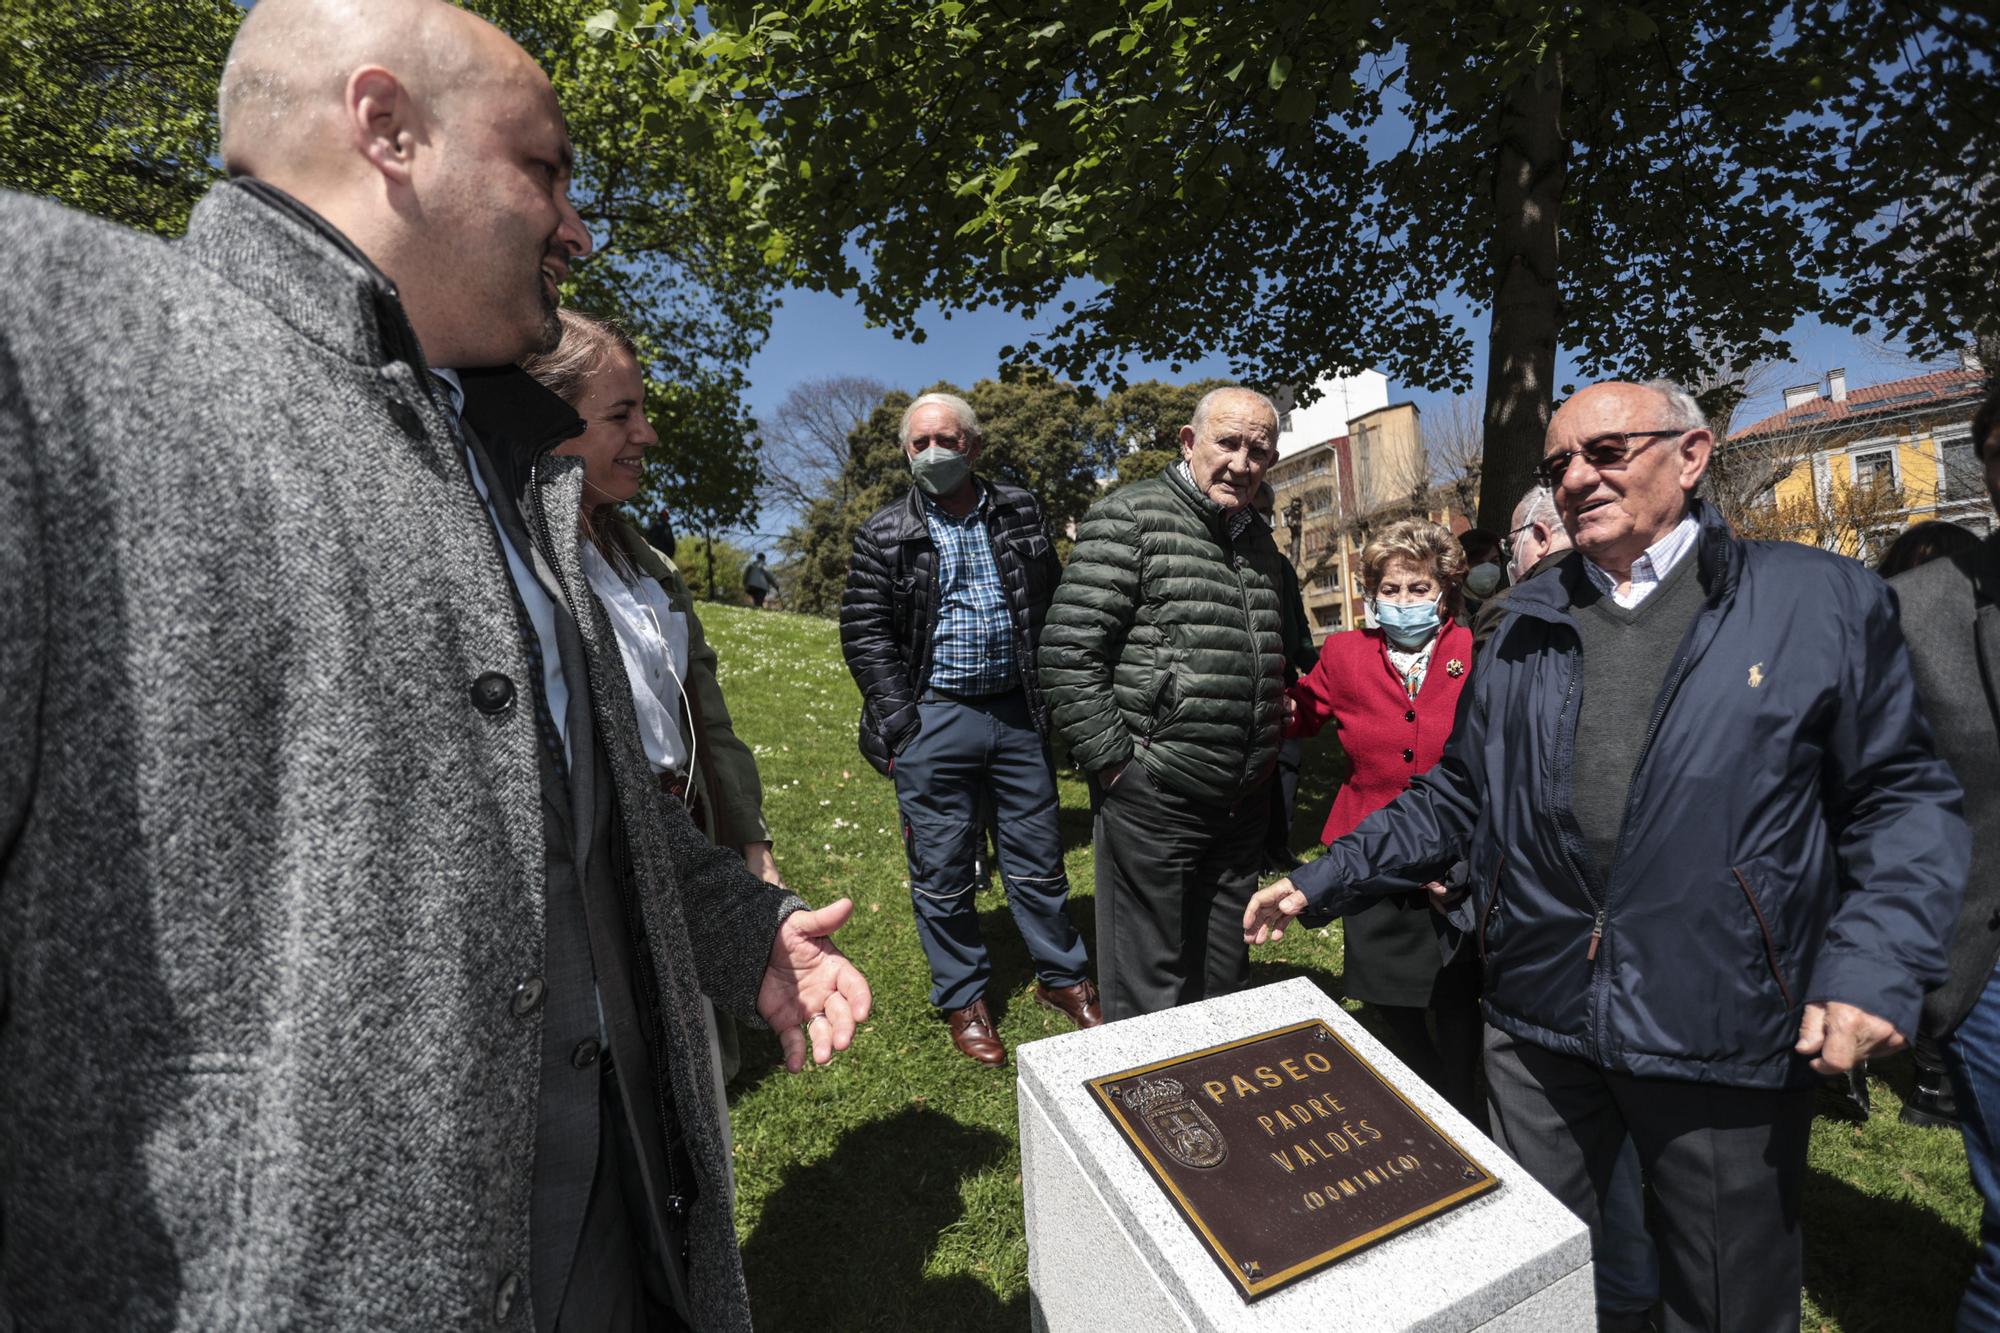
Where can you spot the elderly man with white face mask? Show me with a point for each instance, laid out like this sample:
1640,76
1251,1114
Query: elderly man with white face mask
939,624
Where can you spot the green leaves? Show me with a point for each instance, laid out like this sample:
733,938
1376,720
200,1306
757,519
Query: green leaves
1232,176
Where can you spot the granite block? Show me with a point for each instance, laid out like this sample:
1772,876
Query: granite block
1106,1243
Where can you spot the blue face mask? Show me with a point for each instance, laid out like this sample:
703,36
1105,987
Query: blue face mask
1407,626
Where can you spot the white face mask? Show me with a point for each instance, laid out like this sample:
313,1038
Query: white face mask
1409,625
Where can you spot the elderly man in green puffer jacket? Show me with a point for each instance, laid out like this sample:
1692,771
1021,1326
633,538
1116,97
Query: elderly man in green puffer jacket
1163,660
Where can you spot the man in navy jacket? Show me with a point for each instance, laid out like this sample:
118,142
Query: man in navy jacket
1712,850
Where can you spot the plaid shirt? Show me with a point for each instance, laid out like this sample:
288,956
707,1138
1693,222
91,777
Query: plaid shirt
972,642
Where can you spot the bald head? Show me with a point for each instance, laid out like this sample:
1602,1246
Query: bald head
432,142
1232,439
284,86
1632,454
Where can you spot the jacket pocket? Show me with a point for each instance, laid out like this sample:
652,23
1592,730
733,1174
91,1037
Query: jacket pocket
1492,910
1772,953
199,1164
1166,696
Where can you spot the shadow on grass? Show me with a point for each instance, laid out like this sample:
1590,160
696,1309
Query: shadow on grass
1880,1264
842,1243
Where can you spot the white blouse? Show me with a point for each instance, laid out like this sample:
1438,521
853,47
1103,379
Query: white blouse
653,640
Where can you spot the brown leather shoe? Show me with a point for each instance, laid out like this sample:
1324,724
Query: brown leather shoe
972,1031
1078,1001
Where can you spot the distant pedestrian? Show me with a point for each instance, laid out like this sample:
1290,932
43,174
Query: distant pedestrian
943,612
660,533
758,582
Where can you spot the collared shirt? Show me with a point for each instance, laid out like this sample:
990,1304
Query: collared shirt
534,597
1647,571
653,641
972,642
1239,520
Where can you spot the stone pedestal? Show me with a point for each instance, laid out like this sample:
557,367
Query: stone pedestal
1109,1253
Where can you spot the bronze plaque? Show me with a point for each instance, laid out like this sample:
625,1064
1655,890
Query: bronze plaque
1286,1151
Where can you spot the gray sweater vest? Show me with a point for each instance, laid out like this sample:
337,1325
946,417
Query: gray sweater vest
1626,654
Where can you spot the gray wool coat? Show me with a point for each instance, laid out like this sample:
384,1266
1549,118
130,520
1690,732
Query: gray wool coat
1951,619
268,879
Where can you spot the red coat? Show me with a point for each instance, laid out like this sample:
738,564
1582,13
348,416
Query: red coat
1389,737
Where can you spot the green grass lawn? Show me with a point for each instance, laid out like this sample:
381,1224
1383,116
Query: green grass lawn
884,1191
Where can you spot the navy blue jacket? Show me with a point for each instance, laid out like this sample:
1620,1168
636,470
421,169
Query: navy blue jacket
1791,835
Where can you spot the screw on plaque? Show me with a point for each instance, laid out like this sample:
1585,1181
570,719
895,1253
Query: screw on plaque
1321,1034
1469,1172
1251,1268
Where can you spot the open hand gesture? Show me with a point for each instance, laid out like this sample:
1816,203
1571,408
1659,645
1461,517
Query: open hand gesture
811,989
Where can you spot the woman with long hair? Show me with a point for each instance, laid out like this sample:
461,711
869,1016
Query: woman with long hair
683,721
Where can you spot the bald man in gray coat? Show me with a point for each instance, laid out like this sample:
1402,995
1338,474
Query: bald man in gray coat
351,966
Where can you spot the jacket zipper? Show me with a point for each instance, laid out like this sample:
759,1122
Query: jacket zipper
1764,929
1672,688
1250,633
1597,904
1492,910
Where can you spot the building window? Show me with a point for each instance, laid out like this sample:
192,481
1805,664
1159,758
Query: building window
1960,477
1875,468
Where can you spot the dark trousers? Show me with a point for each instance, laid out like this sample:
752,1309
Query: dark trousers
1973,1054
965,752
1726,1167
1284,796
1442,1043
618,1284
1173,877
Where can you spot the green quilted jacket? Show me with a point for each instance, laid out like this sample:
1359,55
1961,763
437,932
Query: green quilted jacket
1165,643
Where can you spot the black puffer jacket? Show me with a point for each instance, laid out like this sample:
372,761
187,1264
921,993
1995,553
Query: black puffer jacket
892,598
1166,643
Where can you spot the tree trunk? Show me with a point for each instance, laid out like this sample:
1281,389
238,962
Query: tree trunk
1530,166
708,540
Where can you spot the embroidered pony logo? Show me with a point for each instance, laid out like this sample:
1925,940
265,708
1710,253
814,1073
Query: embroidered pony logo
1756,674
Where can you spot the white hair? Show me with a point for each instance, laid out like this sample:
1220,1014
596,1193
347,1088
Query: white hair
968,420
1683,411
1213,396
1539,506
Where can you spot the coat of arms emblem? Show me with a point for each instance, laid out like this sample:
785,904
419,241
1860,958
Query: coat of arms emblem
1182,1129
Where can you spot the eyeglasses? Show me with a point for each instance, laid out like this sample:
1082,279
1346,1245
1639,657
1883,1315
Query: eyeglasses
952,442
1604,453
1507,542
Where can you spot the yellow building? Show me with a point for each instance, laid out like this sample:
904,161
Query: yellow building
1848,470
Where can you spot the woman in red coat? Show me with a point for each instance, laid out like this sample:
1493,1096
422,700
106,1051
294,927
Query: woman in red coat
1393,692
